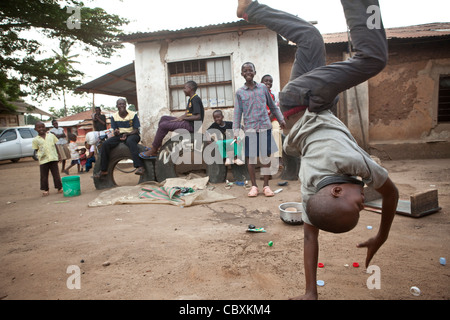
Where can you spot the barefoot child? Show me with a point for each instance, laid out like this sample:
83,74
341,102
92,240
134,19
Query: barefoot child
330,157
45,143
83,159
74,154
251,103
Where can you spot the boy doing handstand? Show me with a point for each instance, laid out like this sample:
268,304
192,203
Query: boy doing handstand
331,160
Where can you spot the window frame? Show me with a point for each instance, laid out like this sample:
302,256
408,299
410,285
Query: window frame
201,85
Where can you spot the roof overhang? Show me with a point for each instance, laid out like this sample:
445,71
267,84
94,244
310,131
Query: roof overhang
22,107
120,83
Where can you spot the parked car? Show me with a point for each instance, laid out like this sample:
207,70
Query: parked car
15,143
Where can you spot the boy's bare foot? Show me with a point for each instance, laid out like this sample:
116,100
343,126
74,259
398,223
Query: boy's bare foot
242,6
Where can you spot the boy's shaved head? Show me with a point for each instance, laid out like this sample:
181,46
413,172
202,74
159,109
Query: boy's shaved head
331,211
250,64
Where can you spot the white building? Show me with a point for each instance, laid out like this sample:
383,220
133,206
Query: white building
212,56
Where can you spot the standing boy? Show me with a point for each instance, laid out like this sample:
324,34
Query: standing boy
74,153
330,157
99,120
62,144
194,113
45,143
251,103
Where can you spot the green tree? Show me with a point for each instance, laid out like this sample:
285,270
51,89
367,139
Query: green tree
63,66
22,69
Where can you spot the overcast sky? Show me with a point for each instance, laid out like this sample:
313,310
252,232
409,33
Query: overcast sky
151,15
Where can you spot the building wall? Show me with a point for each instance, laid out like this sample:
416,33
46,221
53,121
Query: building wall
404,97
259,47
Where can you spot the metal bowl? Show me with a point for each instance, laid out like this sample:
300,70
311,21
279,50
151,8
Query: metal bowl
289,216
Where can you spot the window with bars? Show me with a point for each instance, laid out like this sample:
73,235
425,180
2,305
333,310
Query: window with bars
213,77
444,99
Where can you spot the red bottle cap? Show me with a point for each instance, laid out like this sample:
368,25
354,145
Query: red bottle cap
356,264
320,265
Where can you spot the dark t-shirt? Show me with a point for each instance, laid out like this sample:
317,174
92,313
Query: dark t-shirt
195,106
98,126
228,125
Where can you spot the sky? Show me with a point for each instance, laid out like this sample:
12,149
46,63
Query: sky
152,15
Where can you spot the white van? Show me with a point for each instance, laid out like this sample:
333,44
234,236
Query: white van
15,143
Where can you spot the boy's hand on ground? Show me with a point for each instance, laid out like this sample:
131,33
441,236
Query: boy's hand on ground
372,245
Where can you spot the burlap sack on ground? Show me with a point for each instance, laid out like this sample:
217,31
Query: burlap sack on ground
131,194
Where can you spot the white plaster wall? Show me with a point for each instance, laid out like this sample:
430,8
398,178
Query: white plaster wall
259,47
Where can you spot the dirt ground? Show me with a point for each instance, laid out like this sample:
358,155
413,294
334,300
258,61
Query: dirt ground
203,252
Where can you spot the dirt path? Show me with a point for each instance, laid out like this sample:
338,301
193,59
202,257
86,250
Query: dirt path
204,252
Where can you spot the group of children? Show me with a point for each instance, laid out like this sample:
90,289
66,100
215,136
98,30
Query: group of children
332,181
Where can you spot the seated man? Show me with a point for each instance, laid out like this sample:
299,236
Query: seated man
333,167
194,112
125,124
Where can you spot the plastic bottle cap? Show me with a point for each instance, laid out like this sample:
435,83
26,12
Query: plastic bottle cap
320,265
270,243
356,264
442,261
415,291
320,283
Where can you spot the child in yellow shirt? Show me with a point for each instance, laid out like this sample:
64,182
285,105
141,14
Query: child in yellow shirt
44,143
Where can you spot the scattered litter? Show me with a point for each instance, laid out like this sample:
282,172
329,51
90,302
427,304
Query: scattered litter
62,201
369,227
415,291
118,219
228,185
320,265
442,261
283,183
278,191
346,265
256,230
240,183
320,283
106,263
270,243
355,264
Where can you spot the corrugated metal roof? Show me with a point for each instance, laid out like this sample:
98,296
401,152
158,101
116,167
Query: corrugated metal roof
437,29
23,107
192,31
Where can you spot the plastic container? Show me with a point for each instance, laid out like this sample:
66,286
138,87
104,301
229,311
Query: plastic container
71,186
291,212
